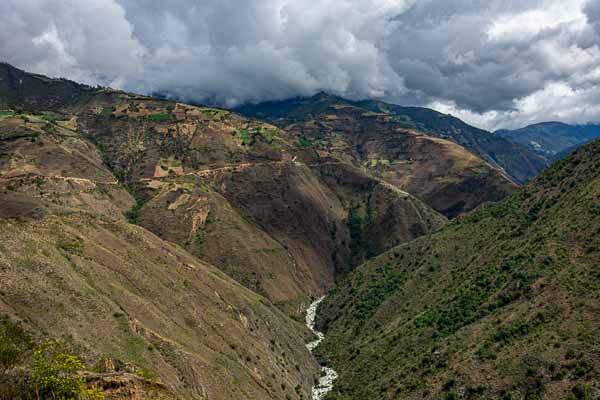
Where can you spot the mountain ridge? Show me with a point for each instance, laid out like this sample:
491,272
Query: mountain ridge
517,162
440,172
500,303
177,242
553,139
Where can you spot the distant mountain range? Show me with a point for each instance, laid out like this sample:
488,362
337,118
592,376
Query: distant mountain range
552,140
446,163
515,160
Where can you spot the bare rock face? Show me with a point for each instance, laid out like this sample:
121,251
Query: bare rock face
127,386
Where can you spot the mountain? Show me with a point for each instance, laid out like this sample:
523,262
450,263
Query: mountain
502,303
177,242
520,163
440,172
517,161
552,140
72,268
20,89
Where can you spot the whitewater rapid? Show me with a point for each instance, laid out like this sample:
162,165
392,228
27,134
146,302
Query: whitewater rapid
328,375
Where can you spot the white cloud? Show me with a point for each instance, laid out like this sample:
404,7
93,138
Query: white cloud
492,62
557,101
525,25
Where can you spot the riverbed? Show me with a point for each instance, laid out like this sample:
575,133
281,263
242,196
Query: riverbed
328,375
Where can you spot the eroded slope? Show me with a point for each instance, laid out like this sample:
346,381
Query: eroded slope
247,196
72,268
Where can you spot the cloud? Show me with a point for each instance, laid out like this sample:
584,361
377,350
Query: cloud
494,63
556,102
89,41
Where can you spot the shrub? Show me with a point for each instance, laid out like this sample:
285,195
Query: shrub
304,142
581,392
160,117
245,137
54,374
50,117
6,114
70,245
133,215
10,136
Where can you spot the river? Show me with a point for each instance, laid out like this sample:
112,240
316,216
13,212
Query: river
328,375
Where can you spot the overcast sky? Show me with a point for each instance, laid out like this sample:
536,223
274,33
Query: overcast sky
494,63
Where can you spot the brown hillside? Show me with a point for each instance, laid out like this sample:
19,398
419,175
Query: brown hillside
442,173
72,268
247,196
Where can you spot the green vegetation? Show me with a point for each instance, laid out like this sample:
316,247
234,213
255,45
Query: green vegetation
50,117
304,143
358,222
6,114
508,290
133,215
107,112
9,136
246,138
70,245
355,227
14,342
268,134
214,112
54,374
161,117
50,369
167,163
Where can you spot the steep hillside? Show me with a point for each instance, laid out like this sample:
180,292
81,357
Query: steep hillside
552,140
520,163
247,196
502,303
239,194
441,173
72,268
116,291
208,192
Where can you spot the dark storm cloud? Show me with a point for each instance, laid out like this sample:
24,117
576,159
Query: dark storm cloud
494,63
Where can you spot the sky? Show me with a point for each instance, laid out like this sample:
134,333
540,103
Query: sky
494,63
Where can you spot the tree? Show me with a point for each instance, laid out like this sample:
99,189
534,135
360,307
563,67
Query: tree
54,374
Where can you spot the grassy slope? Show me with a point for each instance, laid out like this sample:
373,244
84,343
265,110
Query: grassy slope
501,303
116,291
